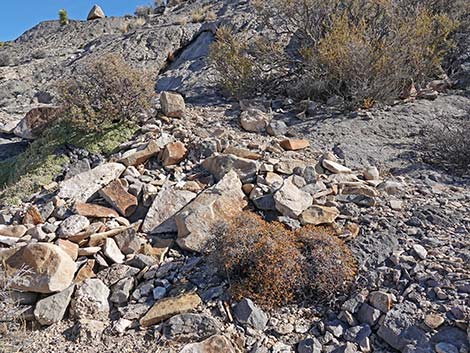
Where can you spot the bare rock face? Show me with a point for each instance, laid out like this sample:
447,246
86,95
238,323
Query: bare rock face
35,121
95,13
82,186
214,344
172,104
221,202
160,217
52,269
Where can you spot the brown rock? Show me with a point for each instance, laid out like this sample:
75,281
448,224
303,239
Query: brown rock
294,144
52,269
172,104
174,153
69,247
433,321
95,211
381,300
13,231
140,157
32,216
242,153
118,197
85,272
358,189
319,215
36,121
168,307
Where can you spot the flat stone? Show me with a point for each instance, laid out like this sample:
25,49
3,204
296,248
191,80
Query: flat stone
89,250
128,241
91,300
72,226
358,189
116,272
94,211
13,231
168,307
112,252
317,215
172,104
161,215
335,167
246,312
368,314
95,13
220,165
290,201
173,153
141,156
254,120
214,344
190,327
118,197
84,185
51,268
220,202
52,309
433,321
242,153
294,144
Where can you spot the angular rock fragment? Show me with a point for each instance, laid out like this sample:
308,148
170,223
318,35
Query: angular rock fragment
172,104
173,153
118,197
160,217
246,312
290,200
294,144
168,307
142,156
317,215
220,202
112,252
95,13
220,165
72,226
335,167
91,300
13,231
95,211
52,309
84,185
254,120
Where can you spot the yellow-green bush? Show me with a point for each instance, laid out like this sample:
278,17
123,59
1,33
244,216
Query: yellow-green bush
362,50
63,17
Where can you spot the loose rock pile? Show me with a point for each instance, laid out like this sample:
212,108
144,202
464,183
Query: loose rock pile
120,247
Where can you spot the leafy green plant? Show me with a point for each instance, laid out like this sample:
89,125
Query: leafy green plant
63,17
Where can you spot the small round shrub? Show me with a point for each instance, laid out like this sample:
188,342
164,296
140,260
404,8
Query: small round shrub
274,266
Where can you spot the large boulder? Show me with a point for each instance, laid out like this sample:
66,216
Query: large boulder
197,220
50,269
95,13
254,120
160,217
172,104
82,186
36,121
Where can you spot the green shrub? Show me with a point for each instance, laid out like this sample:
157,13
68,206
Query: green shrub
274,266
63,17
361,50
104,92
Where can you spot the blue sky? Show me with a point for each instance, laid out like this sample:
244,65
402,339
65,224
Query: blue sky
17,16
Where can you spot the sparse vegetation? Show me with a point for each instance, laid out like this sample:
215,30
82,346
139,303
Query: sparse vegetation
273,266
361,50
104,92
203,14
447,144
63,17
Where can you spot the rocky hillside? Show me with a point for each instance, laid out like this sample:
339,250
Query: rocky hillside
112,252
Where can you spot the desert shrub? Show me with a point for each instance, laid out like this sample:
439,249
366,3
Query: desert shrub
447,144
357,49
144,11
63,17
105,91
274,266
202,14
329,265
